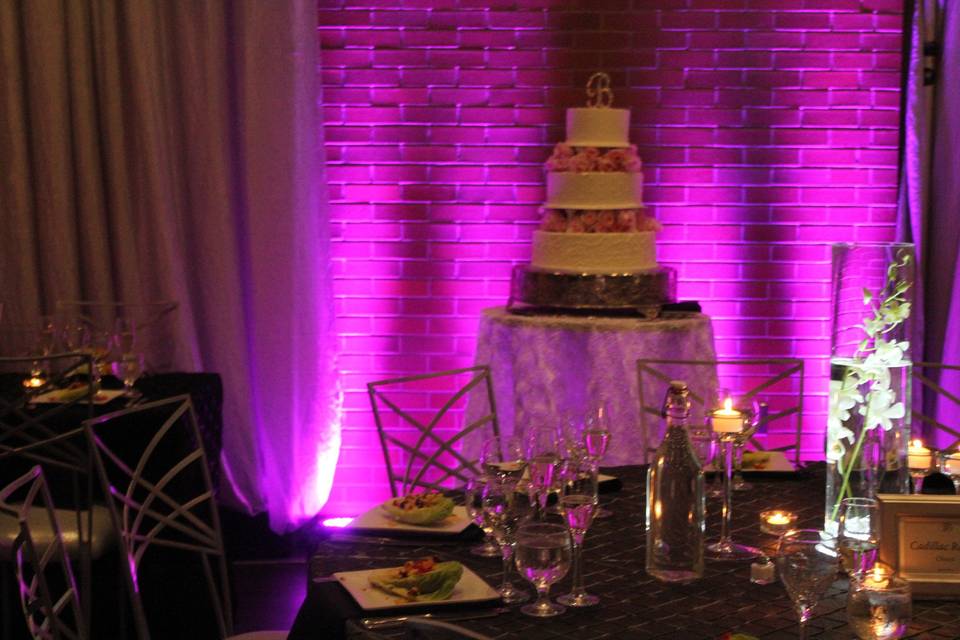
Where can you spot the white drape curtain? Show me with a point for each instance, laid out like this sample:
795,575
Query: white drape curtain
930,178
172,150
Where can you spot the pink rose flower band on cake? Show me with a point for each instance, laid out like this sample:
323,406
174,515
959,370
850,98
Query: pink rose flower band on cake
586,159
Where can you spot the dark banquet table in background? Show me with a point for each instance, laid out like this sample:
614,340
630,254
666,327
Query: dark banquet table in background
205,391
633,604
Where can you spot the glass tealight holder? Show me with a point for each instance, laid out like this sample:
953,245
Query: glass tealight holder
879,606
777,521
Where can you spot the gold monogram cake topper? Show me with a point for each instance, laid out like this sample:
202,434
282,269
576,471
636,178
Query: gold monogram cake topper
599,95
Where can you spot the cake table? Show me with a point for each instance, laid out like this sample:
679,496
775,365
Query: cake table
546,367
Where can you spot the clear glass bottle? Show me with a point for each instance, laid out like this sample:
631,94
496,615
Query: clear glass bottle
675,498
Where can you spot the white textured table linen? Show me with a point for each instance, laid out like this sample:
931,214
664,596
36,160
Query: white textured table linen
549,368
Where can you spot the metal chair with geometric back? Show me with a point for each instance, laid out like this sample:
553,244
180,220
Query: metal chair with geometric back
151,464
51,435
777,381
41,562
416,418
930,376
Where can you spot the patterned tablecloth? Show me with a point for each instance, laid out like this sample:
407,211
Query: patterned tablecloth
548,367
633,605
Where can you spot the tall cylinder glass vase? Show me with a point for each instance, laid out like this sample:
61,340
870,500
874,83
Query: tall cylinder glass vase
868,425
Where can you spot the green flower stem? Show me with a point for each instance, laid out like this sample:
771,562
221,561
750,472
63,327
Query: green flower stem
845,487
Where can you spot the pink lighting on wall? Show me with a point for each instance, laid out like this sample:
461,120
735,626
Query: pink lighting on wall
767,132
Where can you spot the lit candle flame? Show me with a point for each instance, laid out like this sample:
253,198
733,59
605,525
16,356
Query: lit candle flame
728,404
778,518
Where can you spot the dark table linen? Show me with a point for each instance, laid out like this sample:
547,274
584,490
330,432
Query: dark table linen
634,605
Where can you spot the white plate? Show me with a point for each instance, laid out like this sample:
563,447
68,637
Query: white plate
376,519
778,463
471,588
101,397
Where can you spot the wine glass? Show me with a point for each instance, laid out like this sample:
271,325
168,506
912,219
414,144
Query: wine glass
123,334
503,512
595,439
858,536
128,368
544,457
543,557
473,501
578,505
74,335
503,456
807,564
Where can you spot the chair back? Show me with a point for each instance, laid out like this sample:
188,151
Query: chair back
774,382
939,396
48,590
419,421
151,464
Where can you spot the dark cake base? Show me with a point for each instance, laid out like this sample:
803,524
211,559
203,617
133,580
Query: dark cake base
535,290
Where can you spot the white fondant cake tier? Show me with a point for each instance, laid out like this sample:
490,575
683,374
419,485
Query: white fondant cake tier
594,190
607,253
592,127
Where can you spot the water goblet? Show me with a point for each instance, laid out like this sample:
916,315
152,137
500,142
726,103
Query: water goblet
543,557
807,564
858,535
503,456
473,501
879,606
544,458
128,368
503,512
578,505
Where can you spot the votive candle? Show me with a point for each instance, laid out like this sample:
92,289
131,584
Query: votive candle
727,419
918,456
777,522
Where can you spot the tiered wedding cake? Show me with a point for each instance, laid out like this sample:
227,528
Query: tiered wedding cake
595,249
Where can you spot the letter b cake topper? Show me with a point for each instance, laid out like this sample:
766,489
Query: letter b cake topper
598,91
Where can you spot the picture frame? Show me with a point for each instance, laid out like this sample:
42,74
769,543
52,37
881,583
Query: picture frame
920,540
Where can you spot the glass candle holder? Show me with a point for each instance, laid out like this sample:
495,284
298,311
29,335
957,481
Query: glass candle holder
777,522
879,606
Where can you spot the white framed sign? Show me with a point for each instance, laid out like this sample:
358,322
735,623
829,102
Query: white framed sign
920,539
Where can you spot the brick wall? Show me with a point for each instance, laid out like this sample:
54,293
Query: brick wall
766,132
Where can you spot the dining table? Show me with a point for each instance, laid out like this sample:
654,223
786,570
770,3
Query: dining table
632,603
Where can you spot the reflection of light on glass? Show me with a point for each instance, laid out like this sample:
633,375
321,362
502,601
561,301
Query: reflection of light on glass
657,509
337,522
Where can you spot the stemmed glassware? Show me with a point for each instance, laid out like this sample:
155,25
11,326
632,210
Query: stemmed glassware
578,505
503,511
503,457
543,557
128,368
123,335
807,564
858,536
544,459
473,500
725,548
595,439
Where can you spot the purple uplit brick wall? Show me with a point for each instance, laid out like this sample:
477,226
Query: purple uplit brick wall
768,129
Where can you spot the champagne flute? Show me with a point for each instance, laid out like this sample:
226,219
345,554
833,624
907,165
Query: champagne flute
502,510
473,501
858,536
542,449
503,456
807,563
578,505
595,439
543,557
128,368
